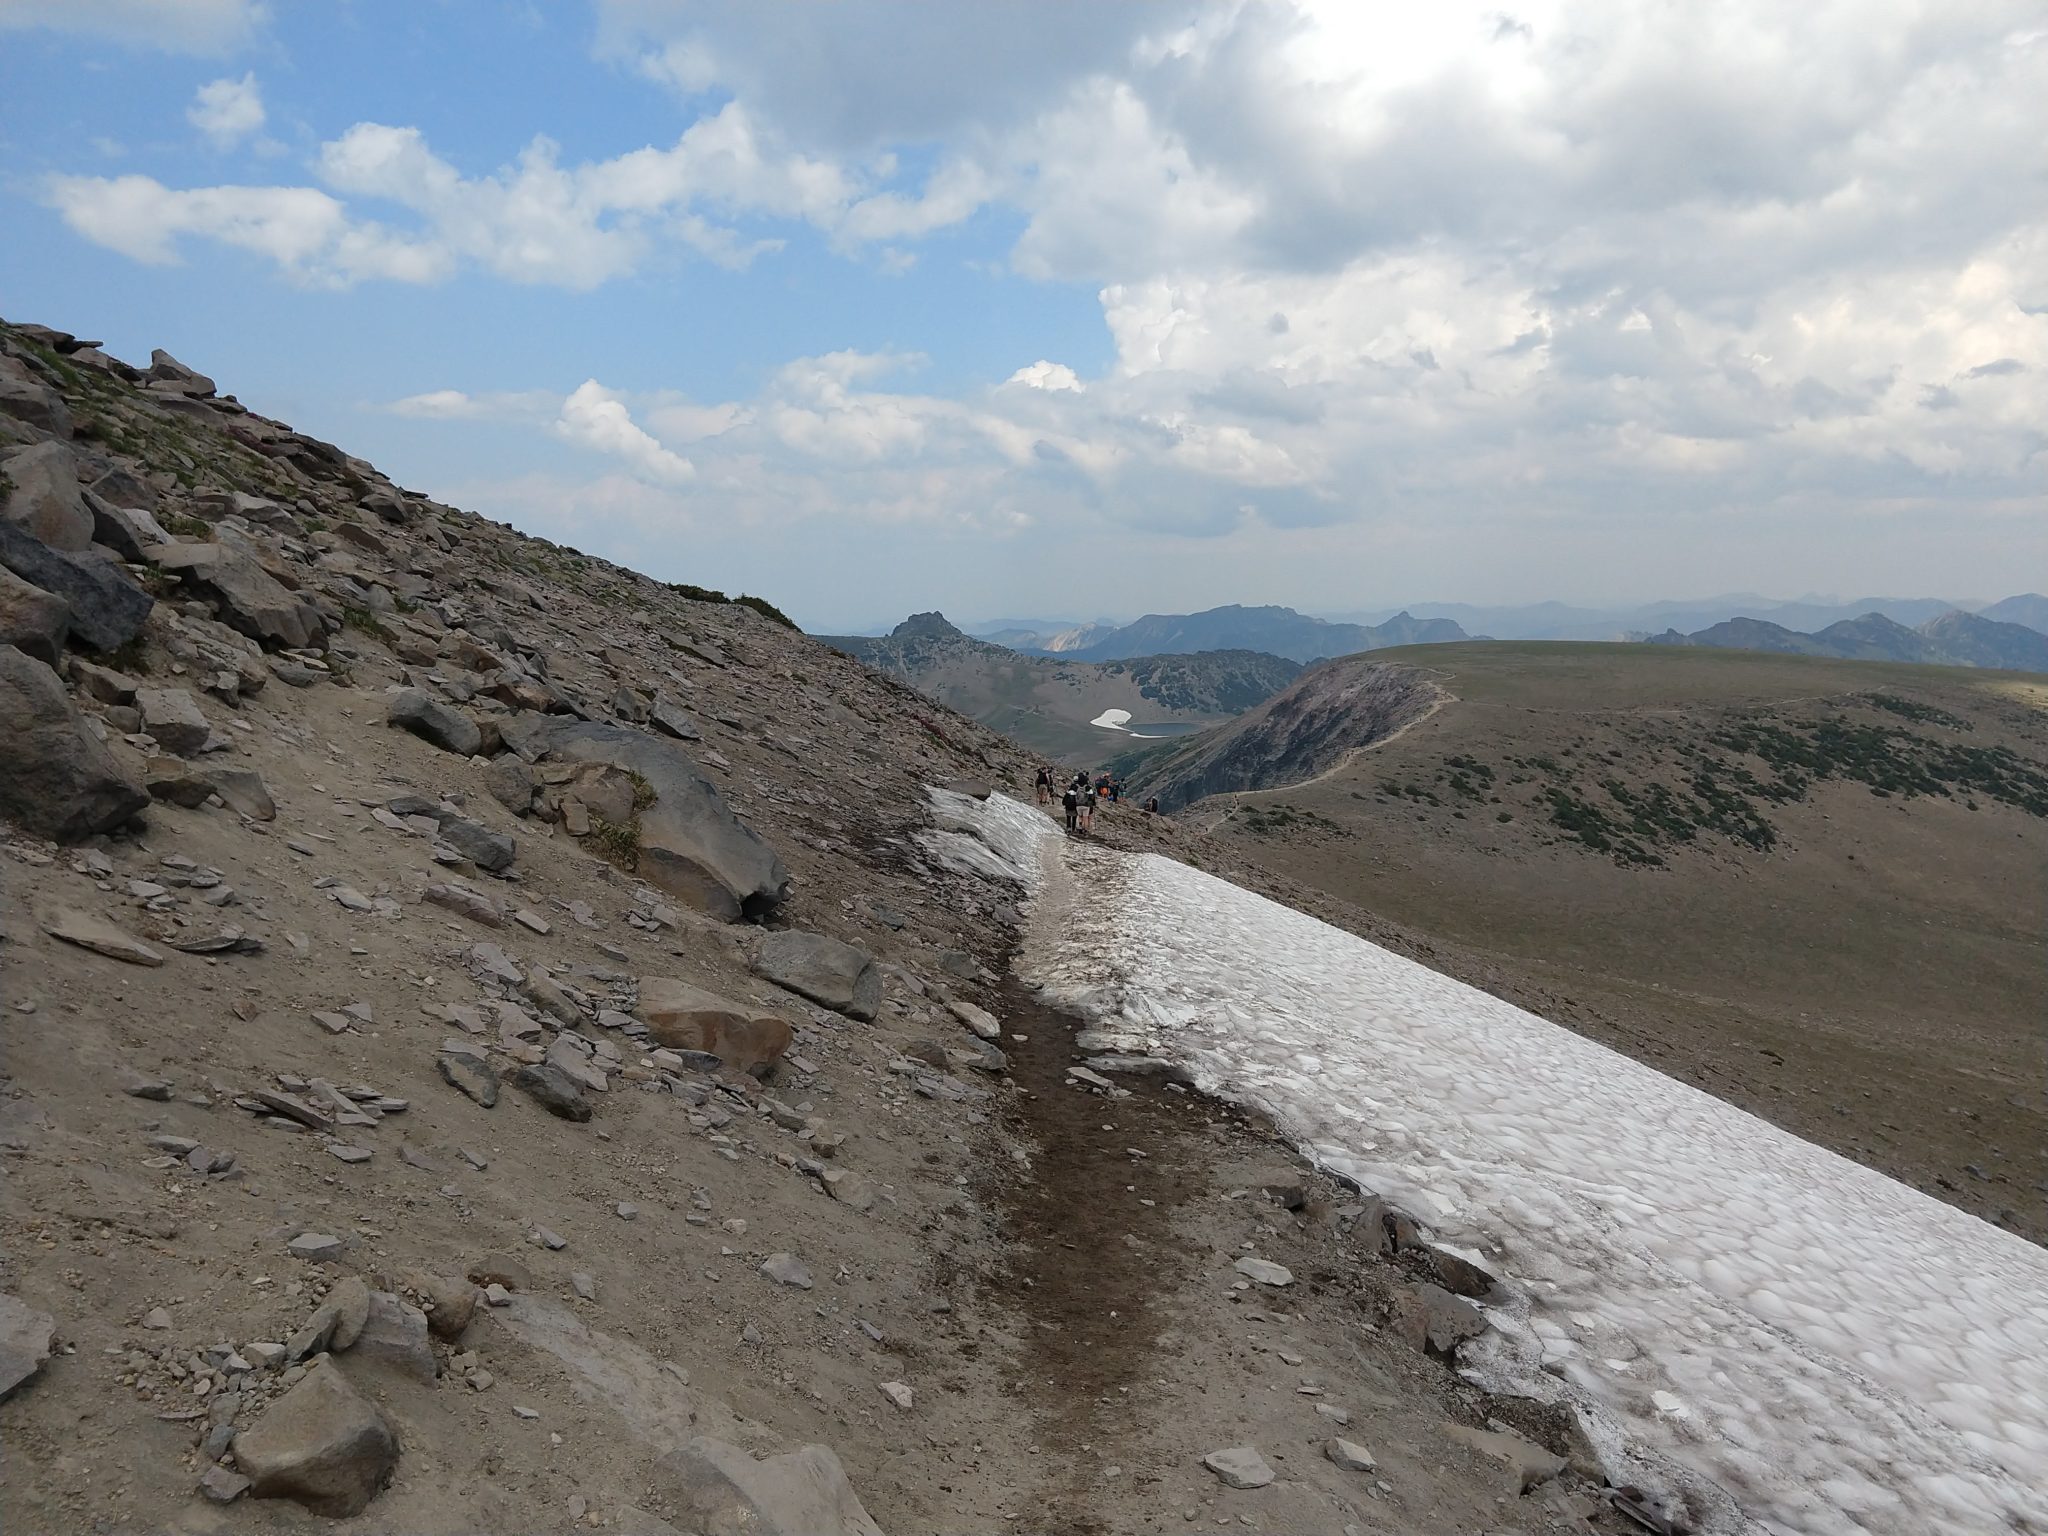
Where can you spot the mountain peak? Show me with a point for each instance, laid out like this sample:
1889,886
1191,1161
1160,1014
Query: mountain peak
933,625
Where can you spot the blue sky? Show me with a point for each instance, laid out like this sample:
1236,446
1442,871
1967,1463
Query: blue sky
1062,309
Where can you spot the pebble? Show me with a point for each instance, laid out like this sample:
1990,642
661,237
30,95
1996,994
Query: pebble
526,1413
787,1269
315,1246
627,1211
897,1393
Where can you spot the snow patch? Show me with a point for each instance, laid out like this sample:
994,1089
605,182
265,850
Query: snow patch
1113,720
1800,1343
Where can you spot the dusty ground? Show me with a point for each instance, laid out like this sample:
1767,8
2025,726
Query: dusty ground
1875,981
1049,1323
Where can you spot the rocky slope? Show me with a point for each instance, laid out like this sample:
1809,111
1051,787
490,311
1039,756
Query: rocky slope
1331,711
1051,703
490,1048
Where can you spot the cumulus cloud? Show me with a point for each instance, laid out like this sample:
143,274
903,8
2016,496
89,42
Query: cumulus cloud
1045,375
227,111
595,418
179,26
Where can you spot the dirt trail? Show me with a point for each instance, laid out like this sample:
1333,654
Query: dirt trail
1140,1349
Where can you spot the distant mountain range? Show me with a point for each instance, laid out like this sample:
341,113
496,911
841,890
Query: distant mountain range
1950,639
1062,705
1275,631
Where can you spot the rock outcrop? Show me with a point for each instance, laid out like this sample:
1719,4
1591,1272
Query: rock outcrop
688,842
245,597
56,778
107,609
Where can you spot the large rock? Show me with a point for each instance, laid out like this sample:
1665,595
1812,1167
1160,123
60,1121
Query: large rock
417,711
174,718
688,1018
46,499
107,609
322,1444
1240,1466
720,1490
394,1334
167,373
245,597
832,974
31,619
56,779
25,1336
690,844
27,398
128,531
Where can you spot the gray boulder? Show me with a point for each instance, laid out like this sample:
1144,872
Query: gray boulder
107,609
486,849
245,597
25,1336
167,373
691,844
832,974
31,619
243,791
394,1334
321,1444
128,531
417,711
56,779
46,499
27,398
551,1089
174,718
720,1489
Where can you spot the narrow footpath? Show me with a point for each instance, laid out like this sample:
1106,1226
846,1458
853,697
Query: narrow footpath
1143,1349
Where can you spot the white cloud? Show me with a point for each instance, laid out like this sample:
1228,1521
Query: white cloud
594,417
179,26
1045,375
227,111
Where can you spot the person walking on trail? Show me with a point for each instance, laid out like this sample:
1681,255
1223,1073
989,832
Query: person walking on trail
1072,802
1044,785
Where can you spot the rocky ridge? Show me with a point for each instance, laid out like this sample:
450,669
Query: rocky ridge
489,1051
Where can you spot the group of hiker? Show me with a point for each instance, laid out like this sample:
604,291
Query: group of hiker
1081,796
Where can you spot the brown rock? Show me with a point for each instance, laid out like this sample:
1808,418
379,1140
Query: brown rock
321,1444
687,1018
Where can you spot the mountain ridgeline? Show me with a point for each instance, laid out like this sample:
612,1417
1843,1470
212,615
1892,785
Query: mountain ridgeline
1053,703
1274,630
1953,639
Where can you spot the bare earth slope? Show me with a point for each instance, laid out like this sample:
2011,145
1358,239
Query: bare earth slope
1812,887
358,1140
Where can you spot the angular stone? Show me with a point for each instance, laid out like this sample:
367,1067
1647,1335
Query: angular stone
848,1188
472,904
486,849
690,843
1352,1457
473,1078
899,1393
672,719
321,1444
174,718
720,1488
1431,1318
1240,1466
316,1247
45,499
87,931
56,779
244,792
394,1334
417,711
451,1303
107,609
787,1269
25,1336
245,597
32,620
1264,1271
548,1087
27,398
833,974
688,1018
1531,1465
512,784
128,531
977,1019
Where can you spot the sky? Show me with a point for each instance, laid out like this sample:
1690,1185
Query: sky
1028,308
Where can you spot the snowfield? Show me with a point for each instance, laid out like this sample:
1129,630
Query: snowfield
1788,1340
